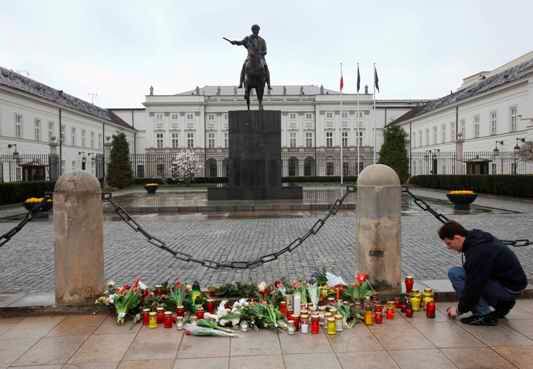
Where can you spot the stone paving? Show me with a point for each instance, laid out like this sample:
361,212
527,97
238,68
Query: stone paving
96,342
27,262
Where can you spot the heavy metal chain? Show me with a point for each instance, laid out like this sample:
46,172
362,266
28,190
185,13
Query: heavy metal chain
443,219
239,264
9,234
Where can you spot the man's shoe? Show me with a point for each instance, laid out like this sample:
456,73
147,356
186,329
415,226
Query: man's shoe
483,320
503,308
240,86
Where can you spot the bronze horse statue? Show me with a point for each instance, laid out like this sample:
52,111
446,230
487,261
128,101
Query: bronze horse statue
254,78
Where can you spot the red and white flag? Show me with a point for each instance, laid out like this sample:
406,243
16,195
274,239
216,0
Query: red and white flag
341,85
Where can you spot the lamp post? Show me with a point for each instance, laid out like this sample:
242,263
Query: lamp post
15,158
516,152
496,153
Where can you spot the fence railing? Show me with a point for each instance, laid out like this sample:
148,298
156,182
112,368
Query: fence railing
39,167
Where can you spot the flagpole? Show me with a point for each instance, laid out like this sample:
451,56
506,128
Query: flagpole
374,116
357,126
340,130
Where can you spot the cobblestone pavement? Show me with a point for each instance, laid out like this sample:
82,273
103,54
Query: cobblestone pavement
26,262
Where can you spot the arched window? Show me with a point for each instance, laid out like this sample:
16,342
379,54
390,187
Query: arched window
211,167
309,166
293,167
330,167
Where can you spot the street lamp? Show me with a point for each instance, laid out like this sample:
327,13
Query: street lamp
516,152
496,151
16,158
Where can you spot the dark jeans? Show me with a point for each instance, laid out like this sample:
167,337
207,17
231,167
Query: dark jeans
492,293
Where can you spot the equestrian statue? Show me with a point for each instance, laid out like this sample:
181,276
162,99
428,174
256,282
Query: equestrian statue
254,72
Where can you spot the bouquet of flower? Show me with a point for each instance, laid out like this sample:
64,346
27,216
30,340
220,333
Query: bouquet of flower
125,300
313,292
177,294
207,330
360,289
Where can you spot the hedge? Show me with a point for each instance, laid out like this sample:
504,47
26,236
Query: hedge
15,192
506,185
214,180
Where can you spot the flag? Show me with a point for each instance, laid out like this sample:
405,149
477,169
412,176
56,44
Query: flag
376,79
358,78
341,86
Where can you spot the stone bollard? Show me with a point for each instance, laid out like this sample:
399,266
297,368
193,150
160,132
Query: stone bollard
378,227
78,227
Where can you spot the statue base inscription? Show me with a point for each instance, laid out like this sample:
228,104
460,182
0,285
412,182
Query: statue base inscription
254,163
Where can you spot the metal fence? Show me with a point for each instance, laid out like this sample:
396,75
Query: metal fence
38,167
475,163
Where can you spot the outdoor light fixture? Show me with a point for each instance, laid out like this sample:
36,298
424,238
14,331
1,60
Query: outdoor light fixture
496,151
516,148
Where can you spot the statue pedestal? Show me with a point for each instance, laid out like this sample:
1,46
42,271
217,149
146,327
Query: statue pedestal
254,171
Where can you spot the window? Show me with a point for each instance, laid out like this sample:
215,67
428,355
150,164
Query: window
160,170
211,140
452,131
344,138
434,135
174,116
427,136
329,115
309,139
159,116
99,140
226,139
443,133
360,138
330,169
292,139
159,140
83,138
37,129
293,167
476,126
420,137
493,122
73,165
329,139
462,128
174,140
292,116
308,116
189,116
18,125
344,114
513,118
73,136
211,117
190,140
50,131
92,140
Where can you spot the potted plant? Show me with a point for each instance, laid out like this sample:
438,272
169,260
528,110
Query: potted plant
461,199
151,188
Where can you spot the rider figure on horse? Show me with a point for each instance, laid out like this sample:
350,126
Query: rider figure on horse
255,45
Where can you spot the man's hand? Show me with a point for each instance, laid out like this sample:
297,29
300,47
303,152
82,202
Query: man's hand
452,312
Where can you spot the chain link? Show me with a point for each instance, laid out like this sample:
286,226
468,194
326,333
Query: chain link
238,264
443,219
13,231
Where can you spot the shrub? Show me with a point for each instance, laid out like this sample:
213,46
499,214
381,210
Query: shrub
14,192
119,173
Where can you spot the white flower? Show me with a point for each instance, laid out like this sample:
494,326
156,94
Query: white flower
142,286
111,283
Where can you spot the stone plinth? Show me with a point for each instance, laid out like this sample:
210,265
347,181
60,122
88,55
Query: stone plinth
378,226
254,171
78,227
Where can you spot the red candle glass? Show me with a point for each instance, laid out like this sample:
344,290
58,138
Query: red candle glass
315,324
200,312
409,284
378,317
283,308
180,310
211,306
160,316
168,319
408,312
390,314
397,302
296,319
146,316
430,310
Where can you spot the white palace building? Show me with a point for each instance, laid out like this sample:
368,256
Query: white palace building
488,109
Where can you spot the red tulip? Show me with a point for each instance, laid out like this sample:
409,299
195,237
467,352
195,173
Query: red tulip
361,277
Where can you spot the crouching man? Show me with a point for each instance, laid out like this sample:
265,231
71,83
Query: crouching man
491,275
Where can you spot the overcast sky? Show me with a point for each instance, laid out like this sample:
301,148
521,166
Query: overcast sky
117,49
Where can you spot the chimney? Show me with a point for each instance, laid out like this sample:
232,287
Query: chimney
366,89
